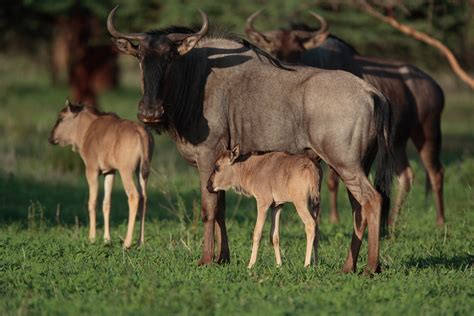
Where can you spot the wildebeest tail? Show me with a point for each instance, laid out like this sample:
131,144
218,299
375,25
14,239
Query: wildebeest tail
147,153
384,171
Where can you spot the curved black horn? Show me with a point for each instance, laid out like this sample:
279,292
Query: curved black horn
117,34
198,35
249,23
257,37
323,28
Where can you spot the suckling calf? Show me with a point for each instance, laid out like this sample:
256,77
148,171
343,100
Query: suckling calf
273,179
107,143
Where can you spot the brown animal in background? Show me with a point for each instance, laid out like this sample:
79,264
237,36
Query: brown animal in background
107,143
80,52
416,100
273,179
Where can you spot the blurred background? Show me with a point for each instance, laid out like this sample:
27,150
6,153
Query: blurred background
69,41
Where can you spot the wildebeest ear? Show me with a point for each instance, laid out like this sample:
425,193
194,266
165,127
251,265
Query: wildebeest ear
187,44
73,108
261,40
234,153
125,46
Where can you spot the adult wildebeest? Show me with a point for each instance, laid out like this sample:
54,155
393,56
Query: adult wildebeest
212,93
273,179
417,100
107,143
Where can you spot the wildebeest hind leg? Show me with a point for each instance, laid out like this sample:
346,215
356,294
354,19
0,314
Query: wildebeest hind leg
429,147
367,205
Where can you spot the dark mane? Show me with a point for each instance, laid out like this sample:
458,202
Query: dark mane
298,26
353,50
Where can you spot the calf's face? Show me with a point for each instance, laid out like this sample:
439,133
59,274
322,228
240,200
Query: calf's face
66,125
222,176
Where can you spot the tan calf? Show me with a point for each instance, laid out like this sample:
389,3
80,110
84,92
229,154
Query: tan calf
106,144
273,179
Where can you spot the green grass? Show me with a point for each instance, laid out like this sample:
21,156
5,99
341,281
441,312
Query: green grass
47,265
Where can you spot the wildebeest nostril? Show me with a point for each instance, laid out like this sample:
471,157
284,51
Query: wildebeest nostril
209,186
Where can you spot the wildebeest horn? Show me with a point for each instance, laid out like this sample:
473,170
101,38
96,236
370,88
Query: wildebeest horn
255,35
117,34
323,29
198,35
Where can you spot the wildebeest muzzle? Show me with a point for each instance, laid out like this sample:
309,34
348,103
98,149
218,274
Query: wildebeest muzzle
150,115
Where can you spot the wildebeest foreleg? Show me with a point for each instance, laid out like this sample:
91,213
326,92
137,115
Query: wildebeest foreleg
223,253
108,184
405,179
333,185
208,216
91,175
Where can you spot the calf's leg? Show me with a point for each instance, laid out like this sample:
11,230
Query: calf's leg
92,181
108,184
133,201
262,208
309,222
142,181
275,233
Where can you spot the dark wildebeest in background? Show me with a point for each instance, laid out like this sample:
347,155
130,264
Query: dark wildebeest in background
106,144
417,100
273,179
211,93
76,52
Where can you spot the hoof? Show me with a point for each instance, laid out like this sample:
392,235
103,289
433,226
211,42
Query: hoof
334,219
347,270
371,272
205,262
440,222
223,260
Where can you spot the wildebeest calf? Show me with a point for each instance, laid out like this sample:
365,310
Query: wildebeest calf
107,143
273,179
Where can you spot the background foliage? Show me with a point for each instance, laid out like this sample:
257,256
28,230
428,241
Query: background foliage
28,22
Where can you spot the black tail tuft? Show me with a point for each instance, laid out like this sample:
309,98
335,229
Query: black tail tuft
384,171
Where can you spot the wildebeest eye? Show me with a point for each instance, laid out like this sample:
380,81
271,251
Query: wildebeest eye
216,168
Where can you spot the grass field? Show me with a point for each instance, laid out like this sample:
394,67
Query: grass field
47,265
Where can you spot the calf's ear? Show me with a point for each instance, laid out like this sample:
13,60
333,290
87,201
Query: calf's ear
234,153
